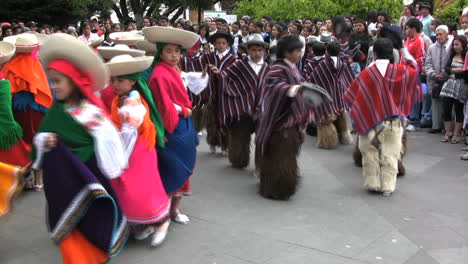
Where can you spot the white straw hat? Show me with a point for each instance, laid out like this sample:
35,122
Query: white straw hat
41,37
7,50
97,41
158,34
146,46
127,38
126,64
24,43
119,49
68,48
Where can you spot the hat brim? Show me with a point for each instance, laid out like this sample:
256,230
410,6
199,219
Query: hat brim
19,47
110,52
7,50
96,41
146,46
128,67
260,43
40,37
221,34
183,38
117,38
66,47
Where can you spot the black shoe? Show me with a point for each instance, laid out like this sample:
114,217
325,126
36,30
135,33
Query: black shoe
434,131
426,125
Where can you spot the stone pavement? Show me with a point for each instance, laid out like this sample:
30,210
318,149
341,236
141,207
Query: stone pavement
331,220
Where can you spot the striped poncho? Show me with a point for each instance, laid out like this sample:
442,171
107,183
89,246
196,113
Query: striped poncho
277,110
374,98
240,90
335,80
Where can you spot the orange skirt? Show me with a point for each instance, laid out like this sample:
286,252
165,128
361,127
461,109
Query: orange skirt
10,185
76,249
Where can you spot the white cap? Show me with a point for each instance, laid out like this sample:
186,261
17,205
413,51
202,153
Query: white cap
443,28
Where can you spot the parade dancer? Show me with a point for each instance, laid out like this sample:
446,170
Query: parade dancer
282,118
168,86
242,82
380,99
334,75
80,150
139,189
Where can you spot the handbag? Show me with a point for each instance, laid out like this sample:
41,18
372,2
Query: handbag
436,89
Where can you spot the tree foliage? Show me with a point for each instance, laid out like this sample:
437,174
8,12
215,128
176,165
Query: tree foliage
450,11
54,12
294,9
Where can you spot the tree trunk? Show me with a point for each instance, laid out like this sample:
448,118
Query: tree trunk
177,14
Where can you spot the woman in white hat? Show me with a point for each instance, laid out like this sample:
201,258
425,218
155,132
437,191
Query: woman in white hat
29,89
13,150
80,151
139,189
177,158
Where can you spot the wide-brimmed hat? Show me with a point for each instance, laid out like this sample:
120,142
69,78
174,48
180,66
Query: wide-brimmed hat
68,48
126,64
41,37
119,49
221,34
127,38
146,46
256,39
97,41
7,50
157,34
325,37
24,43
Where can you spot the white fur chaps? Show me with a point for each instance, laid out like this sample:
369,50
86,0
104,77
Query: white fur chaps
381,149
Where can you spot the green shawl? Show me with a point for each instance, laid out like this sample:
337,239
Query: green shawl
145,91
69,131
10,131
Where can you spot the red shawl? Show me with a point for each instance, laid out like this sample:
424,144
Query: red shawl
168,89
374,98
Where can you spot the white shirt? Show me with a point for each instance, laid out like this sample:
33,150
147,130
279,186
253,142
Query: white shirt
256,66
335,60
382,66
89,40
224,53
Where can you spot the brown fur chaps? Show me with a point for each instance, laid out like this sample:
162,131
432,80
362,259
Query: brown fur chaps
240,135
279,172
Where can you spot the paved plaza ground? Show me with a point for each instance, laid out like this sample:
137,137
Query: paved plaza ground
331,220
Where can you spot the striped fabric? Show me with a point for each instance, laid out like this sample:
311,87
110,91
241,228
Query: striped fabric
277,110
335,81
211,93
312,62
240,90
375,98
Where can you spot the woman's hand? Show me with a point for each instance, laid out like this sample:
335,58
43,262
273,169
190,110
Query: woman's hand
457,70
51,141
189,112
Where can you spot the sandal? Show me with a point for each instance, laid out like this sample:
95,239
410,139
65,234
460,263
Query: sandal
455,139
38,187
446,138
465,148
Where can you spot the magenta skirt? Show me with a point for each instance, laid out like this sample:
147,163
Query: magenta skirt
139,189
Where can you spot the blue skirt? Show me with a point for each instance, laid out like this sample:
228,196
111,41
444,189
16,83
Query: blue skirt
176,160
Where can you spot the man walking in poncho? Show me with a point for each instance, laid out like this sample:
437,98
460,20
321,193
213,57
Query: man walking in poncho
380,98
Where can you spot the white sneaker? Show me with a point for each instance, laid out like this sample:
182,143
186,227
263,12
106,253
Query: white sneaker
160,236
224,153
411,128
181,219
200,134
144,234
387,194
213,149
